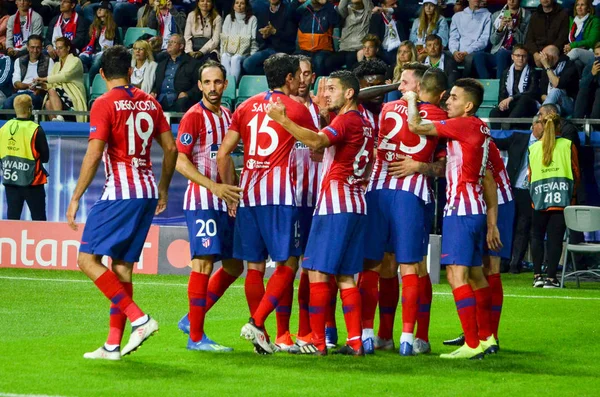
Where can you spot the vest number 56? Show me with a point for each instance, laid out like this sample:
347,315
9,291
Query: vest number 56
10,176
552,198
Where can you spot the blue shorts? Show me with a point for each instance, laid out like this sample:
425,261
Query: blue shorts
118,228
335,244
463,238
210,233
395,223
264,231
429,217
305,216
506,217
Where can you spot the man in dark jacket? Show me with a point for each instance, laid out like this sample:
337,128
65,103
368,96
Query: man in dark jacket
559,81
519,88
276,32
587,103
549,25
176,83
67,24
436,58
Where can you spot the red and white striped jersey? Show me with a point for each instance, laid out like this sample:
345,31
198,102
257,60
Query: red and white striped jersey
371,118
268,177
496,166
307,171
127,119
345,162
395,140
200,134
468,147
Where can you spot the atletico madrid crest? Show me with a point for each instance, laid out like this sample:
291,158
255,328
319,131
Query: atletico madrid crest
206,242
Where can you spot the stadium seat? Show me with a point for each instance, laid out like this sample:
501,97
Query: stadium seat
530,3
44,31
86,84
133,34
337,34
98,88
490,96
316,84
580,218
249,86
228,99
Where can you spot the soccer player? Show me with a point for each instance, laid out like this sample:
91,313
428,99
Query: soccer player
398,216
266,217
210,227
123,123
338,228
463,232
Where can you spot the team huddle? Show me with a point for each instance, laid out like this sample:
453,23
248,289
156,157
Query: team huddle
334,182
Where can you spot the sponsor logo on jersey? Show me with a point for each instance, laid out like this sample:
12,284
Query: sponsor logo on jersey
186,139
137,162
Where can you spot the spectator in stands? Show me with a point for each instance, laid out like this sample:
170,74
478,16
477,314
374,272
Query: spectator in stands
176,84
356,17
28,67
238,38
549,25
439,59
469,34
370,48
407,53
584,32
5,86
559,81
103,34
430,21
385,23
65,82
24,186
167,21
276,32
519,89
48,10
4,17
143,14
509,27
144,67
68,24
29,22
316,22
202,31
587,103
125,12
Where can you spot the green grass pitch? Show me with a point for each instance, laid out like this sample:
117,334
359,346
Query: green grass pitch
48,319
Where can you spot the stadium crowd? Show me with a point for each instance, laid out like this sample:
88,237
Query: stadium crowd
540,52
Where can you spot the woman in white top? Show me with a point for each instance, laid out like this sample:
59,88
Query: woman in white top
144,67
430,21
238,37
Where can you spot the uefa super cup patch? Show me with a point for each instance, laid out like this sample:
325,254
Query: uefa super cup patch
186,139
92,129
333,131
443,122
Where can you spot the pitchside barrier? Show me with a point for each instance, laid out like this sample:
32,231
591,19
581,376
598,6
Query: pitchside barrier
41,245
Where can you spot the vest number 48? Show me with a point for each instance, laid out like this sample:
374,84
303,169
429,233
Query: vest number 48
10,176
551,198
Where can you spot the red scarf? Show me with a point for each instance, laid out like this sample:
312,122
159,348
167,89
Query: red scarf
70,28
89,49
18,36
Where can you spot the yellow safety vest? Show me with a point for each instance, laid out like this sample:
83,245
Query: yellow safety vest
19,159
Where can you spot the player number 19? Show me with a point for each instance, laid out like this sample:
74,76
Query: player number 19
134,126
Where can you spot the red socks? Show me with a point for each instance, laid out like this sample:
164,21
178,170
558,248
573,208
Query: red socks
483,298
330,310
217,285
351,304
423,315
319,300
368,285
117,319
254,288
497,297
112,288
197,288
410,302
465,305
303,299
278,283
389,294
284,310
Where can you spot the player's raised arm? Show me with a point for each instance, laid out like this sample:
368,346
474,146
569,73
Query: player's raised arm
224,160
167,143
315,141
490,195
417,125
376,90
89,167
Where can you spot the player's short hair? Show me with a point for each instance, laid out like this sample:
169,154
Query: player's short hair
433,37
22,105
434,81
417,68
35,37
115,62
278,66
473,89
211,64
348,81
370,67
519,47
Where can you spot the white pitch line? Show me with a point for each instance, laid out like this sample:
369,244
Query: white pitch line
25,395
582,298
